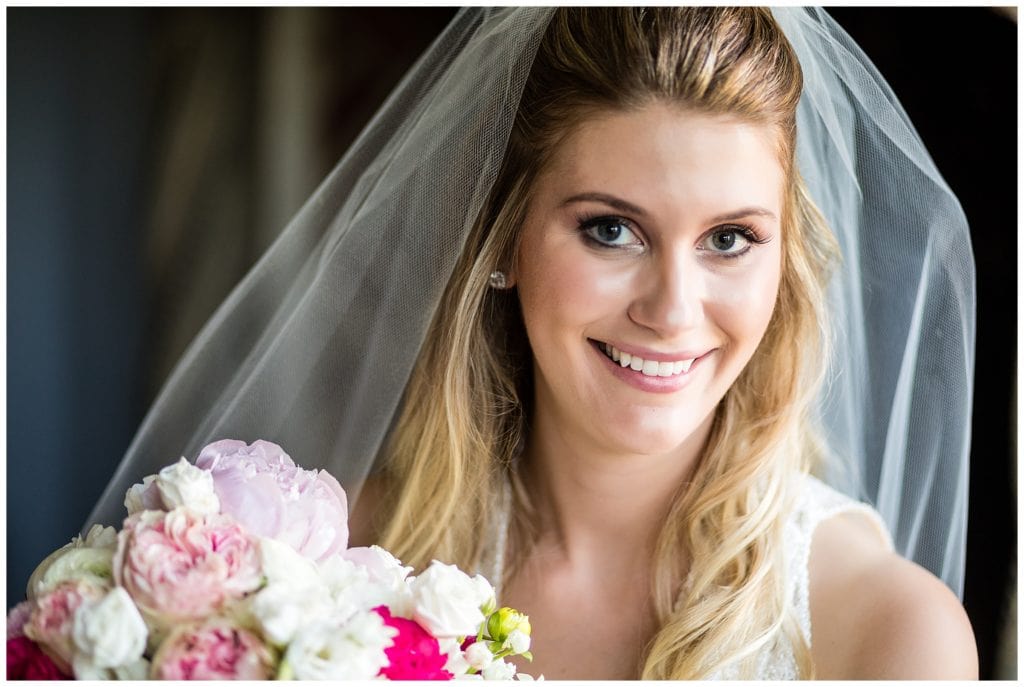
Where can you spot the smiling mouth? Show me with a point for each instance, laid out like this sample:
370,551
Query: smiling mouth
648,368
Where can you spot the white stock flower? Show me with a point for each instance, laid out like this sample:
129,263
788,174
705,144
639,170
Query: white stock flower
183,484
383,567
456,663
478,655
282,610
328,650
111,631
519,641
294,594
352,587
446,601
499,670
281,563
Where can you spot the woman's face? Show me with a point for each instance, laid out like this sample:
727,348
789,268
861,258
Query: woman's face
647,270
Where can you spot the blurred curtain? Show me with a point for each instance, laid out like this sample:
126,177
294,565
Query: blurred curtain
153,154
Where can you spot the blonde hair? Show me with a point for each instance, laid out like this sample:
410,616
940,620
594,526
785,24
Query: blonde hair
468,402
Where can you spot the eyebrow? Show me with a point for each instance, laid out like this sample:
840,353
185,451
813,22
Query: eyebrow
617,203
626,206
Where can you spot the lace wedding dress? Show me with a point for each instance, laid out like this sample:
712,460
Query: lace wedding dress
816,502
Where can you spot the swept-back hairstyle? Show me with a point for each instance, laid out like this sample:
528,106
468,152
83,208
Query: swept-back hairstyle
468,404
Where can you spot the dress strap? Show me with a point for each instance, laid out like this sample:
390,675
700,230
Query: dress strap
818,502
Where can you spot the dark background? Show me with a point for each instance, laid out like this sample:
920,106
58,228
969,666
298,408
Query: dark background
153,154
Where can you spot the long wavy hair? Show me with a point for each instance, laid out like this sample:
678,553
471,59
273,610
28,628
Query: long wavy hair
466,410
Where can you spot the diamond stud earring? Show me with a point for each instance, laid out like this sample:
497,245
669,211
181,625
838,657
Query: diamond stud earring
498,280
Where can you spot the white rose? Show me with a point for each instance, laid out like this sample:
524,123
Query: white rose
446,601
328,651
479,656
282,563
140,497
111,631
484,591
499,670
282,610
519,641
183,484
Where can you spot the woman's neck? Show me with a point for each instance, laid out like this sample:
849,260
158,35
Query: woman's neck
595,506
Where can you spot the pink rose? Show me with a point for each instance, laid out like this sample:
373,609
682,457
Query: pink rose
53,619
414,653
182,565
26,661
272,497
216,650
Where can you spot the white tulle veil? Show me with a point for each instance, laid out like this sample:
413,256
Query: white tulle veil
313,349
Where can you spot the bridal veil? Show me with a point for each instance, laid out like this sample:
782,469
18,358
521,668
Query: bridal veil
313,349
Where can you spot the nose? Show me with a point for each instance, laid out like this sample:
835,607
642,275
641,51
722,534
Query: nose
669,296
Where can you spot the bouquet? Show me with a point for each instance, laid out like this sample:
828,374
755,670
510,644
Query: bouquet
237,567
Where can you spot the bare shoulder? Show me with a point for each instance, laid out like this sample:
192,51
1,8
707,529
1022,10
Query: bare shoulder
364,524
876,615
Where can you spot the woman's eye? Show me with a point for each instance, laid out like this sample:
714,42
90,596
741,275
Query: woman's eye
609,231
729,241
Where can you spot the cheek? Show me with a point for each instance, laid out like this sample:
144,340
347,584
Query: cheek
742,303
560,281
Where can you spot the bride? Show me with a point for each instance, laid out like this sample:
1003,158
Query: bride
571,293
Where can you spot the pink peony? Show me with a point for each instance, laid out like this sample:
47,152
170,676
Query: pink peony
181,565
53,619
414,653
216,650
272,497
26,661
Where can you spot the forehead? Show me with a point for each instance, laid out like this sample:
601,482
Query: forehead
663,154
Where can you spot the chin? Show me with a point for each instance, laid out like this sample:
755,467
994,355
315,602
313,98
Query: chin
653,436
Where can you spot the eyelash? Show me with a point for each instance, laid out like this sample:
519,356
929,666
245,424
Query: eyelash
586,223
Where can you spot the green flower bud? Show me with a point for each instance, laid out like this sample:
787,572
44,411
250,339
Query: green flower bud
504,621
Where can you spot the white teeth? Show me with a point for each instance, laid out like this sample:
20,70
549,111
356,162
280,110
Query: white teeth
650,368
